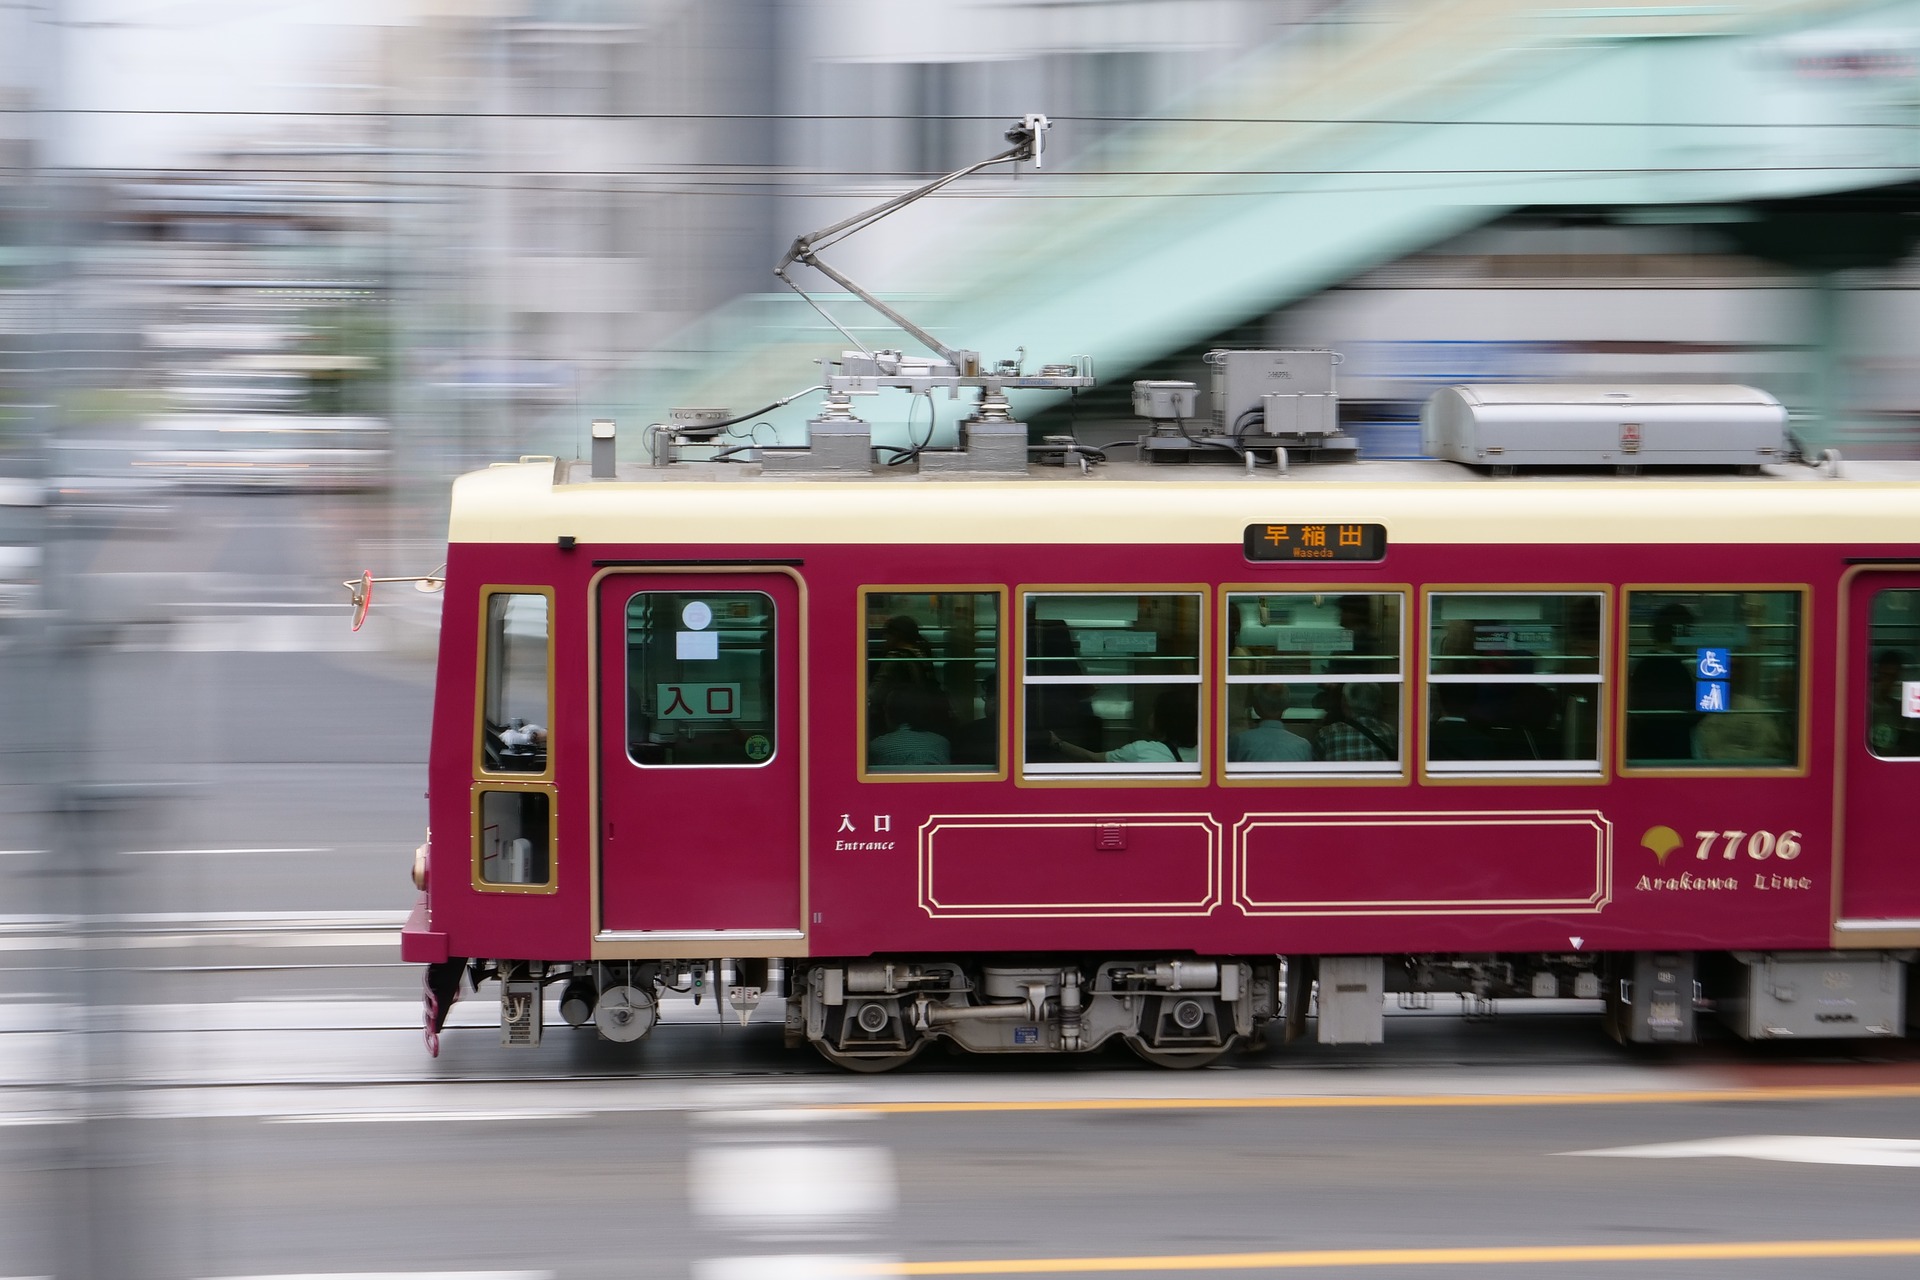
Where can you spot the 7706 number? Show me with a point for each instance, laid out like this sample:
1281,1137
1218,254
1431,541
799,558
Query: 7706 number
1760,845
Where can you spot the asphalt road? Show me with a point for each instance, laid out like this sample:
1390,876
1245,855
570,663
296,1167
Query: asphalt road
211,1065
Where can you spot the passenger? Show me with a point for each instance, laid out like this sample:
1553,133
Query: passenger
1173,734
1353,729
1356,615
905,660
907,743
1890,732
1268,739
1456,733
1749,730
1056,711
1660,691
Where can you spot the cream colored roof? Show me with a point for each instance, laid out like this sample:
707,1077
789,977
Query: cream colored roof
1612,394
1126,502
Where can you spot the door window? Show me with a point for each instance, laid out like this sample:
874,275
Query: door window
700,678
1893,679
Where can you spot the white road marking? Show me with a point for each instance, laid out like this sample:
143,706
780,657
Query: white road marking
782,1187
1792,1148
422,1117
400,1275
779,1116
209,921
21,853
162,930
796,1267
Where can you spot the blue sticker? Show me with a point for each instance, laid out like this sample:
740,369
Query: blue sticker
1026,1035
1710,695
1713,664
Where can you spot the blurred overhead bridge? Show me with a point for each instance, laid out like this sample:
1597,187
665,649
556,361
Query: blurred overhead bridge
1342,146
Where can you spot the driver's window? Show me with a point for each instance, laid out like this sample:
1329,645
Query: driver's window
514,702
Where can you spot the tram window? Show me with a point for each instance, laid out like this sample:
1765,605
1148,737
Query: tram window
515,834
932,681
1313,683
514,724
1514,682
1893,684
700,678
1112,683
1713,679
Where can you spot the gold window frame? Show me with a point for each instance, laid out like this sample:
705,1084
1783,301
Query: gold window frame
1605,703
1401,774
1002,676
1803,696
480,769
1202,659
480,883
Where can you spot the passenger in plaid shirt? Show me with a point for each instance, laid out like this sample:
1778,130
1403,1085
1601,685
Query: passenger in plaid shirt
1353,729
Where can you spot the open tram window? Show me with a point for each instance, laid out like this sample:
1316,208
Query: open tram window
931,676
517,683
1313,683
1893,686
700,678
1713,679
513,837
1514,682
1112,684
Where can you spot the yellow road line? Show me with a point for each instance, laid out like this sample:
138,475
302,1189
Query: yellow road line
1804,1093
1732,1251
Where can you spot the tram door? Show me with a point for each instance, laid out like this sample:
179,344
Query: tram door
1880,752
700,748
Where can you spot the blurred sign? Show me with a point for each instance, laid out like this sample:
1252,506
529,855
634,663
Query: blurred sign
1910,699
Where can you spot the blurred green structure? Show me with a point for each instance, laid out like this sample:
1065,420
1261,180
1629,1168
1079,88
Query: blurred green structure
1789,123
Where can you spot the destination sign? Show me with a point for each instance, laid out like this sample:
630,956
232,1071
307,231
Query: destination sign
1316,541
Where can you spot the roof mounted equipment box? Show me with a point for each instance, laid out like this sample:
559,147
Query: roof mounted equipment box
1585,425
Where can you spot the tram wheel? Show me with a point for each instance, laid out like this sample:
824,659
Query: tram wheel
1179,1059
870,1063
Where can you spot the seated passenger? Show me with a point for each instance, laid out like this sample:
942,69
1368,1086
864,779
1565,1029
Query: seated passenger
1353,729
1456,734
906,744
1056,712
1749,730
1173,734
1752,728
1268,739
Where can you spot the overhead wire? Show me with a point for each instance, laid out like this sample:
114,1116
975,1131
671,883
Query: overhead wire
678,117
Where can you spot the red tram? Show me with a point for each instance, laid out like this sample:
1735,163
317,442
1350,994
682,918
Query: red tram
1029,759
